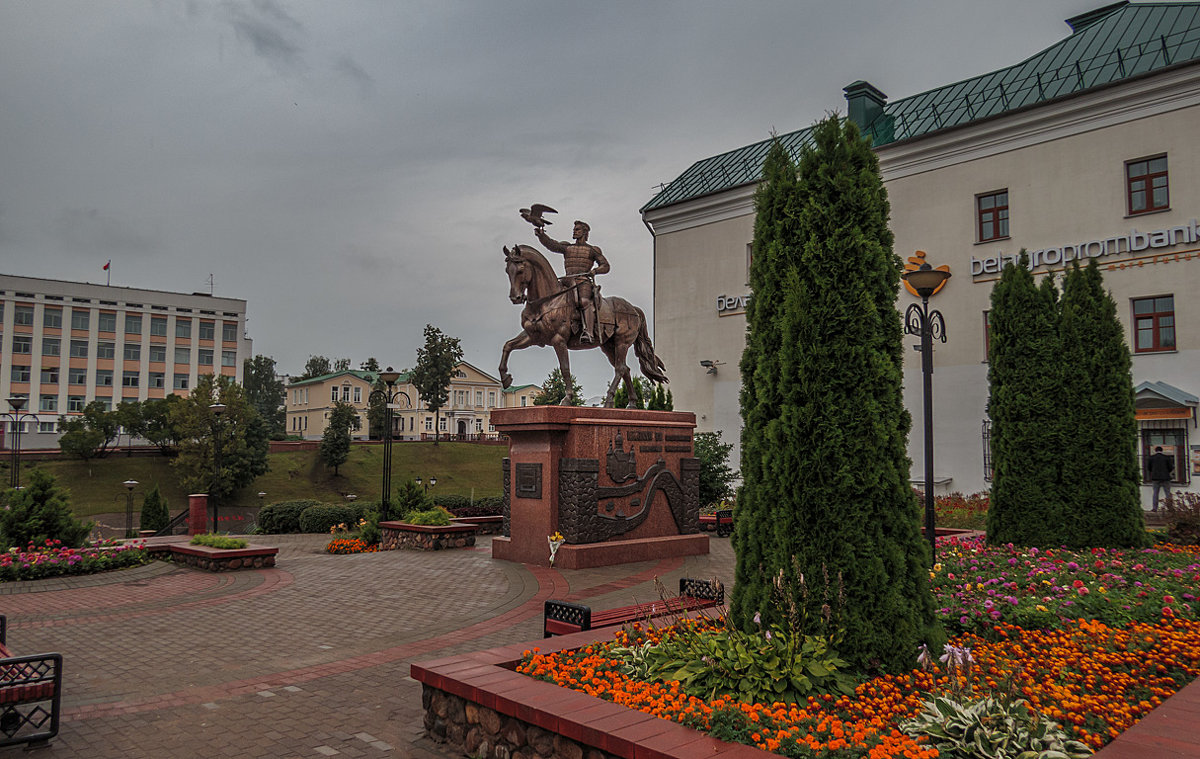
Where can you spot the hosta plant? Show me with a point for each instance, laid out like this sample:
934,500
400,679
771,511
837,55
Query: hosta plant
992,728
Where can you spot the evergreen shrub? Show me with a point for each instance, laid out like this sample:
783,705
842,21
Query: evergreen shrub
39,512
325,516
155,513
283,517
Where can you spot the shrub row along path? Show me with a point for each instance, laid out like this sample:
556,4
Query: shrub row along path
307,659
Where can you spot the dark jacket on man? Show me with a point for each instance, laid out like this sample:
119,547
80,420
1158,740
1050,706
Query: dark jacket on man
1161,467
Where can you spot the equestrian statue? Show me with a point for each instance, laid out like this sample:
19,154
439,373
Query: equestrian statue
568,313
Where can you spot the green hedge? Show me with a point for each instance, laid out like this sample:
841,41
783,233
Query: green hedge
462,506
325,516
283,517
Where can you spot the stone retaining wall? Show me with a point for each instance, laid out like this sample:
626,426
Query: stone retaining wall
222,559
415,537
482,732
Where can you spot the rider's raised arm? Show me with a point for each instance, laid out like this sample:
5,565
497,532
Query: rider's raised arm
550,242
601,262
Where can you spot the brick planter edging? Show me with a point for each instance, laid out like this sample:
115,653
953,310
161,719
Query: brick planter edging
216,559
489,525
421,537
478,698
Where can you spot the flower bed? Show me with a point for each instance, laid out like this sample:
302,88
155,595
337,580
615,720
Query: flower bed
1133,641
978,585
52,559
351,545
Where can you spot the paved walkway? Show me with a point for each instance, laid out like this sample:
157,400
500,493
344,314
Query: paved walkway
308,659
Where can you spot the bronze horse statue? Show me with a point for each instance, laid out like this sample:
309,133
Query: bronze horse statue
551,317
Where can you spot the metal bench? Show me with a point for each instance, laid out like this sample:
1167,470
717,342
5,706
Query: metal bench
564,617
30,695
721,520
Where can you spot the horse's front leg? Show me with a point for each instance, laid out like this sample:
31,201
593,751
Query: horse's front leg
517,343
564,367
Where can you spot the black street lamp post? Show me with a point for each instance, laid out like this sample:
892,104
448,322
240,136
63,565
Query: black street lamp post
390,399
129,486
428,485
217,410
17,404
919,320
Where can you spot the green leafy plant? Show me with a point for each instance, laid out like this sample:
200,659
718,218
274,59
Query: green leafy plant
435,517
212,540
992,728
369,531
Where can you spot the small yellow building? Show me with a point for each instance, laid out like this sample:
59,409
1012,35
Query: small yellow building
466,415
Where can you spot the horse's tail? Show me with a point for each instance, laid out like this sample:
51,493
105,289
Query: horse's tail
652,365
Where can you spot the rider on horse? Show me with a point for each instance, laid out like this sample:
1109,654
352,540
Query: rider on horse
578,260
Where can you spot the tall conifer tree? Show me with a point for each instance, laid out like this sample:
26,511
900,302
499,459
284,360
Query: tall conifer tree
1024,385
824,455
1100,473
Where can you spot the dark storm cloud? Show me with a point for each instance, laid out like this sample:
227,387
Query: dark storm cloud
269,29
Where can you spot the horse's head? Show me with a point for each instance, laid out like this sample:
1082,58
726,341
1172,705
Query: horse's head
519,274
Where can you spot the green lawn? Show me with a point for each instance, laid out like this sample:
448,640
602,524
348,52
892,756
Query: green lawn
460,468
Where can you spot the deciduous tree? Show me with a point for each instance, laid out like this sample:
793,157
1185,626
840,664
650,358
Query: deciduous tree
335,442
435,367
716,476
238,431
266,393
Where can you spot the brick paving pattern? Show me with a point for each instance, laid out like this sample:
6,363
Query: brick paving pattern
308,659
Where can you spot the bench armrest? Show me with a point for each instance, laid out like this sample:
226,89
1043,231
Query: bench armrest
705,589
561,617
27,683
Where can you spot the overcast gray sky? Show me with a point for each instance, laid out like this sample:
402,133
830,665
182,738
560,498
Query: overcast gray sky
352,169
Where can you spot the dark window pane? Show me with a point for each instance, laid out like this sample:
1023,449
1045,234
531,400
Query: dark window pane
1164,304
1158,164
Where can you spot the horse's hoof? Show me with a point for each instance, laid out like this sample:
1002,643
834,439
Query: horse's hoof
505,380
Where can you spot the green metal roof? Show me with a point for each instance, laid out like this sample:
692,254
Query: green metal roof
368,376
1107,45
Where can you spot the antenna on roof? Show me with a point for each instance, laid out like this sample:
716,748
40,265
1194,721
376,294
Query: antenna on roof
210,284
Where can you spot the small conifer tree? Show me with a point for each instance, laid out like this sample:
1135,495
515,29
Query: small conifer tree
1100,473
1024,381
821,398
39,512
155,514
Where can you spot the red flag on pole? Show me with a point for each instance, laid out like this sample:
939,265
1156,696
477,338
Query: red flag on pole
107,264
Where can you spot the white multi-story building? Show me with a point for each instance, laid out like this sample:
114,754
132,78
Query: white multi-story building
66,344
1086,150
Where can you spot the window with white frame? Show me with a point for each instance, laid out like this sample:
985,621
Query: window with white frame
183,327
20,373
358,395
76,403
52,318
23,316
158,379
79,349
51,346
206,357
104,378
133,324
345,393
229,332
50,427
428,425
48,403
183,355
50,375
133,352
129,379
228,358
106,350
333,394
158,326
208,330
76,376
107,322
181,382
158,353
80,319
22,344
